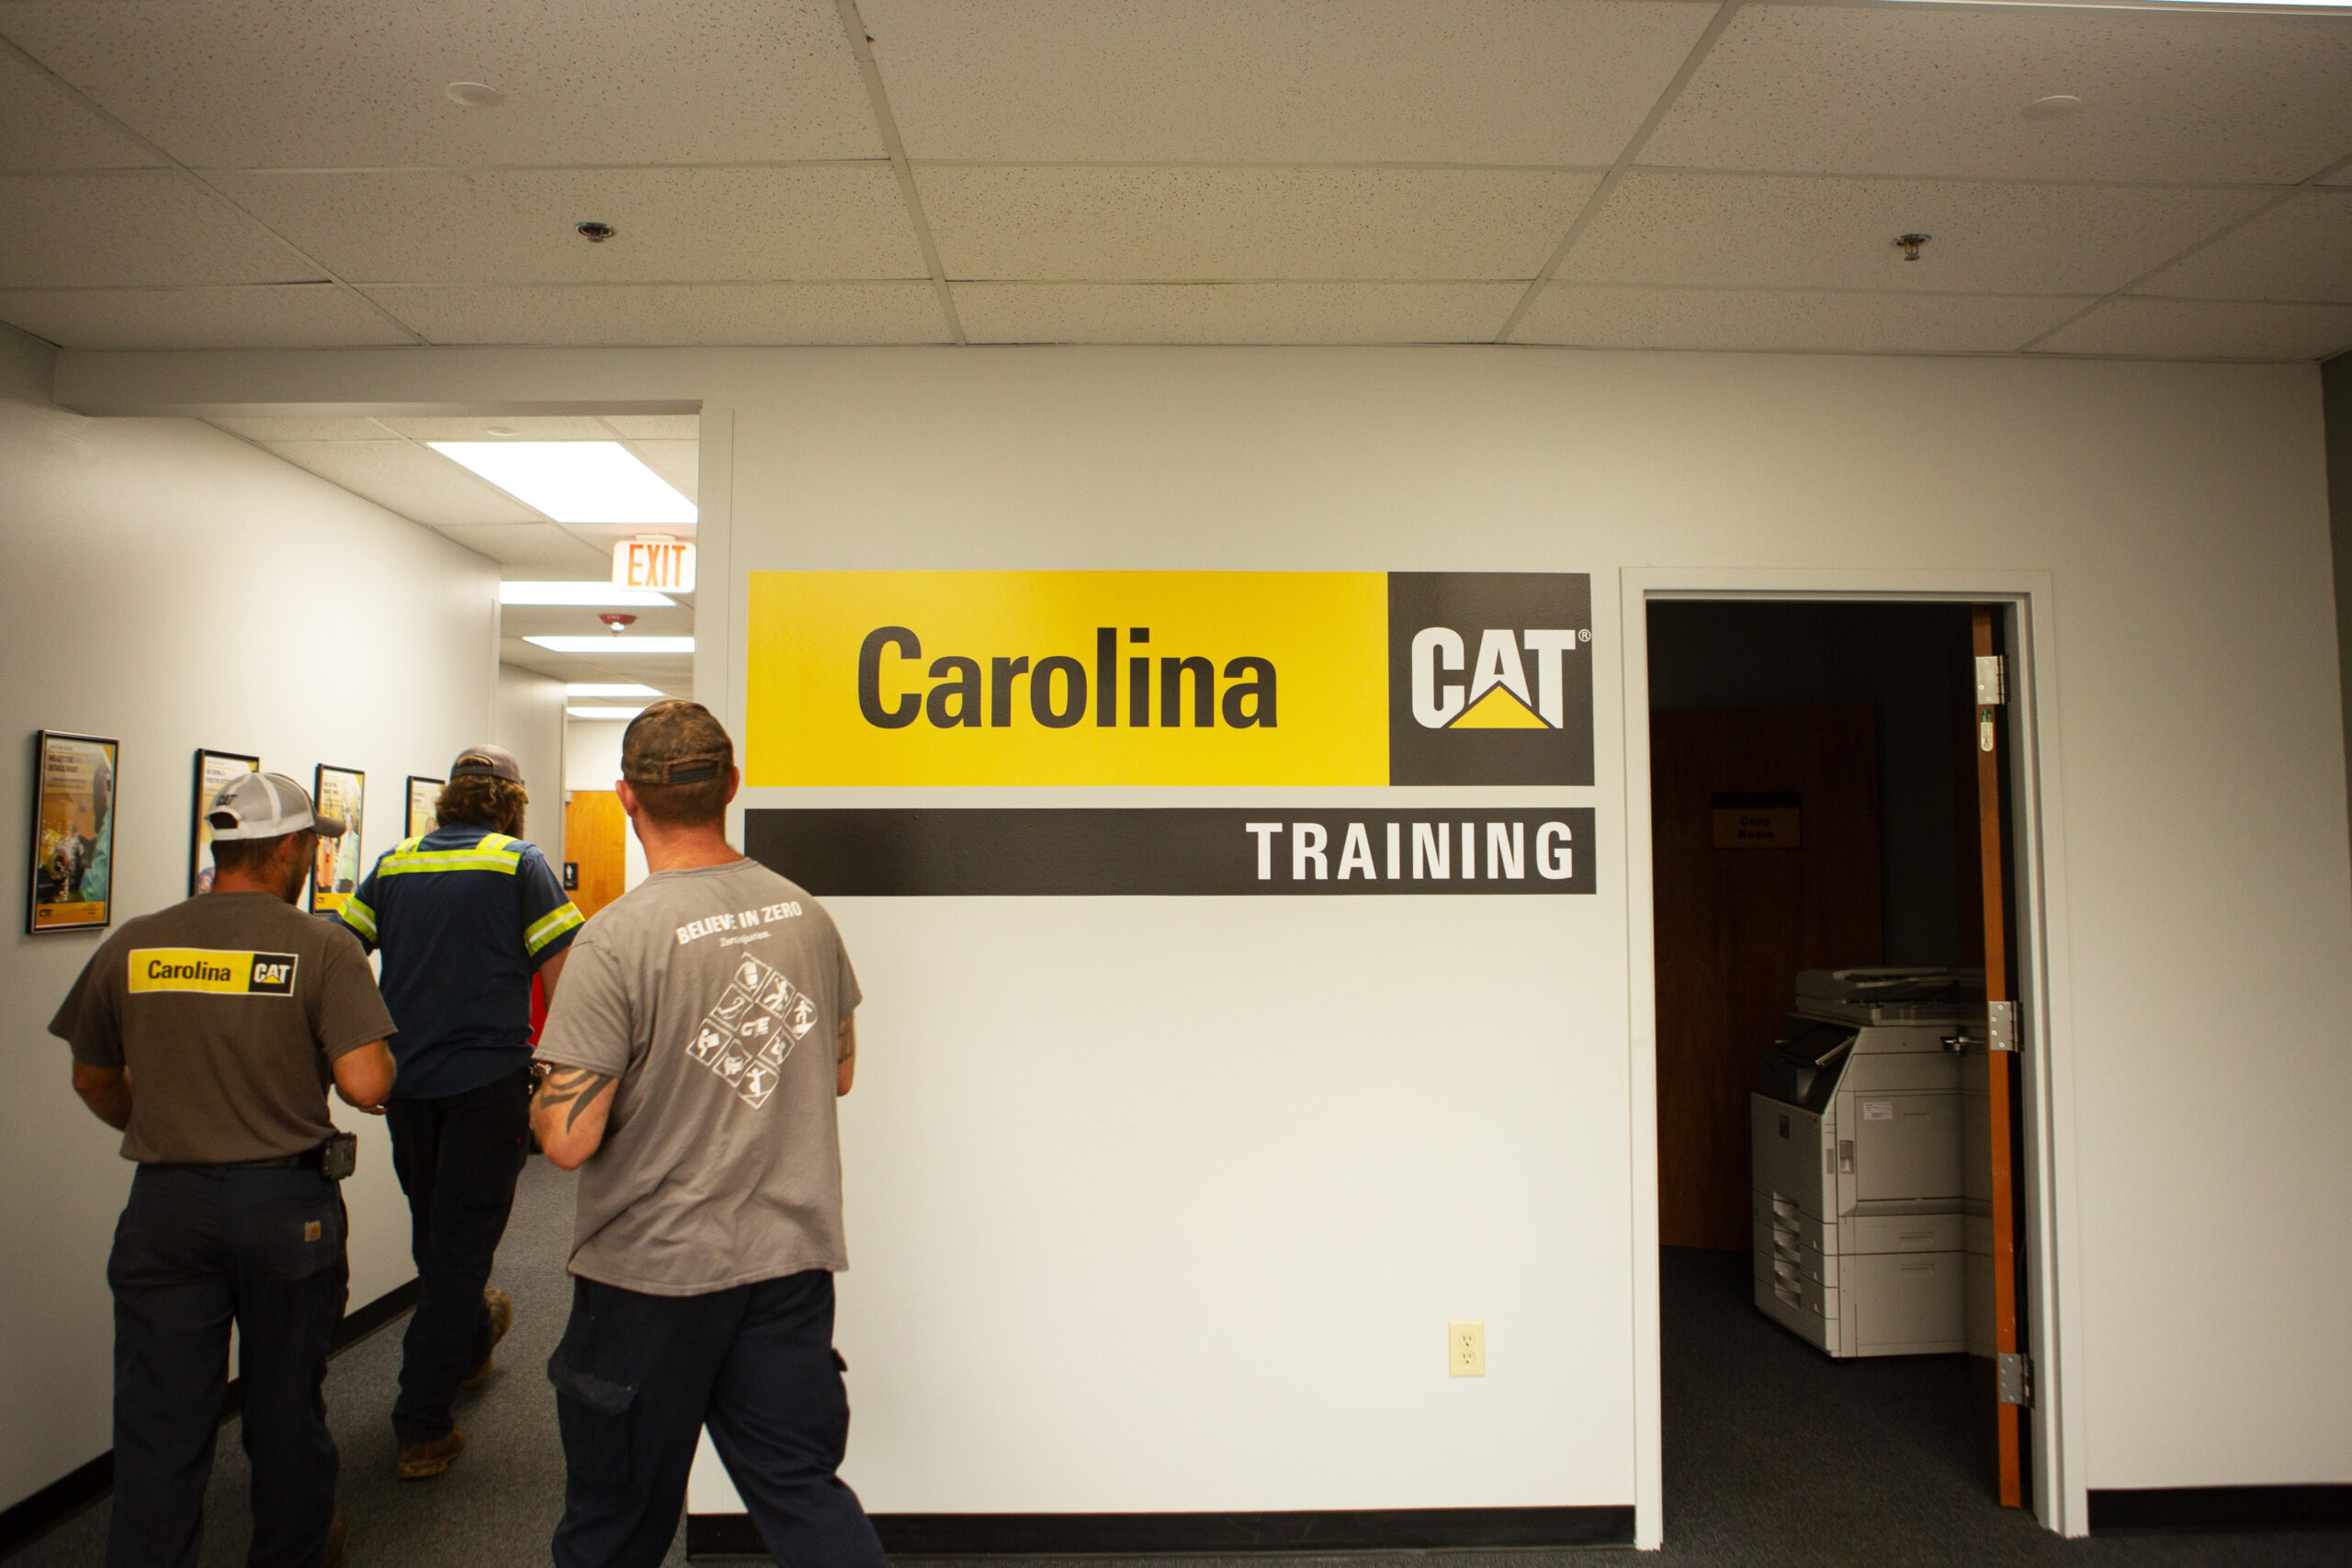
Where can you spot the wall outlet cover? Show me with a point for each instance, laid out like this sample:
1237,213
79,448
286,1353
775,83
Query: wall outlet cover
1465,1350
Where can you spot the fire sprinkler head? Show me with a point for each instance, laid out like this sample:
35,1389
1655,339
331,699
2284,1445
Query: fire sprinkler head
617,621
1909,244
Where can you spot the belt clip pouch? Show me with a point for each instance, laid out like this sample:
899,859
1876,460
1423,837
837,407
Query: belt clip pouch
339,1156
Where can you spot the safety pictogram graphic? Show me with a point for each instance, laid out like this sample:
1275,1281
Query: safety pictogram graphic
748,1031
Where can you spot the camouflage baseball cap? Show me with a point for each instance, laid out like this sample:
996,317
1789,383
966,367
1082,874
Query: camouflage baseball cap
675,742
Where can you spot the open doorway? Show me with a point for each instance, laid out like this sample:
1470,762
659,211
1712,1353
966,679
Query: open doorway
1823,813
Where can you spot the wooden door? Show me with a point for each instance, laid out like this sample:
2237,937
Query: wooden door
593,826
1994,1153
1735,924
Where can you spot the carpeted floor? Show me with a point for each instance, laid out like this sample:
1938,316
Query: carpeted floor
1775,1456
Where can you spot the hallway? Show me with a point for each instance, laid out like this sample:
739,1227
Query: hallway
1775,1457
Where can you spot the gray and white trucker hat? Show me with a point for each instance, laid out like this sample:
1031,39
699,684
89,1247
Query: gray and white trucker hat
267,806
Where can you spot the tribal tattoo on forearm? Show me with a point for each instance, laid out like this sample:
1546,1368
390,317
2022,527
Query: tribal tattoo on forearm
575,1087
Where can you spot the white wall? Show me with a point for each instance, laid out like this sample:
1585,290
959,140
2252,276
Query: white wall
172,587
2194,782
530,723
593,761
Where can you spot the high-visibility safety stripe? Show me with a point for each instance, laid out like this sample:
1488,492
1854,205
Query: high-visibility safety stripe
551,925
493,853
358,917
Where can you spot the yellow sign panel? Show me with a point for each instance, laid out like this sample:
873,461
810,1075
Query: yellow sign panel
1067,677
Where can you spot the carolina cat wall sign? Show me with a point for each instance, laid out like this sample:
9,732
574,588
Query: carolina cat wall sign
1169,678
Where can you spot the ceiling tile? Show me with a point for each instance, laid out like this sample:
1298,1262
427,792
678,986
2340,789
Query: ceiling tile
1235,313
318,83
512,427
44,126
674,314
1764,231
299,315
1277,81
1937,90
2300,250
545,549
440,226
141,227
656,426
1117,224
677,461
321,427
405,477
1596,317
2204,329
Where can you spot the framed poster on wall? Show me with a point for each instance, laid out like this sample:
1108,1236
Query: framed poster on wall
71,885
335,874
213,769
423,799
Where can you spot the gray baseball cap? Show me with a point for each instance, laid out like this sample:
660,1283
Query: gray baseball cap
486,761
267,806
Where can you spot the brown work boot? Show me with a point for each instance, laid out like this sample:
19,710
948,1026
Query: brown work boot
502,1318
423,1459
338,1533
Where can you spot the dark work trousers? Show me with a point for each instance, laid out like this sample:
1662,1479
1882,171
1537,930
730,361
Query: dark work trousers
637,1377
197,1248
457,1159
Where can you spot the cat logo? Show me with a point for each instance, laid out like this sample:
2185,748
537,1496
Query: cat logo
272,975
1489,678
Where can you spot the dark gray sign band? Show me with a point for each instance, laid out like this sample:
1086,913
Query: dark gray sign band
1174,851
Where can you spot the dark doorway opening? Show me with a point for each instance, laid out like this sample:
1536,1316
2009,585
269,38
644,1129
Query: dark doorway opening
1815,795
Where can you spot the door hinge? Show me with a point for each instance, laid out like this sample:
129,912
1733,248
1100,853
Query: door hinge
1991,681
2000,1026
2014,1373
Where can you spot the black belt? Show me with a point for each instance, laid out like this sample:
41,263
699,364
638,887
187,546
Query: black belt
309,1160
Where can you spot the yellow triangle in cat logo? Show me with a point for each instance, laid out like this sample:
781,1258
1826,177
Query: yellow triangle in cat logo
1498,710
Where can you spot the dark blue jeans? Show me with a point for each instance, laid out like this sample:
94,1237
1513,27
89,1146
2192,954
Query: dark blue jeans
637,1376
457,1159
198,1247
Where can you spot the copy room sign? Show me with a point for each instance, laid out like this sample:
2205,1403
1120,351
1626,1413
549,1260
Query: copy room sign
1169,678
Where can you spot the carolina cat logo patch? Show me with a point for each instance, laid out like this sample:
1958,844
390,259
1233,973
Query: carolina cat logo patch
748,1031
212,971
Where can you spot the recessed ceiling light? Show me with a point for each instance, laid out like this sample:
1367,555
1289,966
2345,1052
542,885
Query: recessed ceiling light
609,689
574,481
2057,106
589,593
475,95
608,645
605,713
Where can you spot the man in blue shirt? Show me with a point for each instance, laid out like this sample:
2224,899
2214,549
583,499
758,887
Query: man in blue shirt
465,914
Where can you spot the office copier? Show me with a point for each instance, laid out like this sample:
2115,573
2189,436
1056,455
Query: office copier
1860,1226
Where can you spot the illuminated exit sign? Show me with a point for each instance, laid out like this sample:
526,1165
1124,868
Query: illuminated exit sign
664,564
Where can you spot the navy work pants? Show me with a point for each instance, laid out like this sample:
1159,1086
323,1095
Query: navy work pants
637,1376
457,1159
198,1247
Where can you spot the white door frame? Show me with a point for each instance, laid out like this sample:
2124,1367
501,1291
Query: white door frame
2054,1297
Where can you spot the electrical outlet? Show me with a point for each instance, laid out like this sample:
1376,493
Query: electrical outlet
1465,1350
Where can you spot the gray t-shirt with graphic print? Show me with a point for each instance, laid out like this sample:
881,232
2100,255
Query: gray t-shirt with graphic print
714,996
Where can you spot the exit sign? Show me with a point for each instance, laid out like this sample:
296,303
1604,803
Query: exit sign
664,564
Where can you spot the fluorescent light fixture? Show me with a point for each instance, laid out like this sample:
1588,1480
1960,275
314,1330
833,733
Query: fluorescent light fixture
610,689
604,713
574,481
595,594
609,643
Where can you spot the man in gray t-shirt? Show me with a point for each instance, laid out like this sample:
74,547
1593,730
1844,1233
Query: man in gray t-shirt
701,1036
